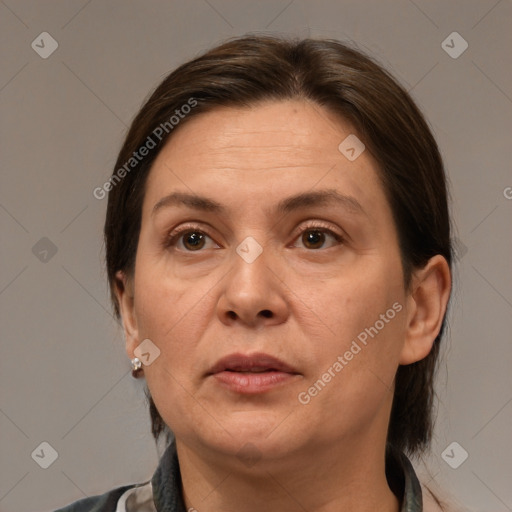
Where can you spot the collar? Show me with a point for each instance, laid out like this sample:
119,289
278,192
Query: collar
411,496
166,482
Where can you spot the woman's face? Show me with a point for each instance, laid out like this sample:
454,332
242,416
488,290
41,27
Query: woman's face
261,239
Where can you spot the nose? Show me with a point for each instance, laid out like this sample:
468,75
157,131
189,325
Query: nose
253,293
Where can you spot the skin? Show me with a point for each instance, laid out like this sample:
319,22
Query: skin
302,301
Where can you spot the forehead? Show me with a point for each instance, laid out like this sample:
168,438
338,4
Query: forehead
252,154
271,127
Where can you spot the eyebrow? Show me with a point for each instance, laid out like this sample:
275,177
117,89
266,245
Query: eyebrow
296,202
325,197
189,200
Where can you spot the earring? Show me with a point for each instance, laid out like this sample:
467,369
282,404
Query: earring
136,368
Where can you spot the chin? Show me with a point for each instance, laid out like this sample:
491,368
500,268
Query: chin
258,435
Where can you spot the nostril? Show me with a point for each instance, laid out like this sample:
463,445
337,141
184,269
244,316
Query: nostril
266,313
232,315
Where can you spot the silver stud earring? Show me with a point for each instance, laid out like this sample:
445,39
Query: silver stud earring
136,368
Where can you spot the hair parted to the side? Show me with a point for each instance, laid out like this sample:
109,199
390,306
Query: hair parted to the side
247,70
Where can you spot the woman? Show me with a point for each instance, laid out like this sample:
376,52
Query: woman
278,249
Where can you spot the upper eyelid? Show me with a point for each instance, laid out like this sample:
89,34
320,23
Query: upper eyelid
176,233
303,225
321,224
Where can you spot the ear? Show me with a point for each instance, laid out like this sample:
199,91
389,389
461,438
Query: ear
124,291
426,307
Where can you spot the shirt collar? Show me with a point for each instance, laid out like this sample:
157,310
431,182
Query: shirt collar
166,483
412,500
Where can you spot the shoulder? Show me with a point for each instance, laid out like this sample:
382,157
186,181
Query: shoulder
430,501
439,500
106,502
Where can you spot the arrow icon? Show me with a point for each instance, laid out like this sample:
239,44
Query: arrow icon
44,45
454,455
454,45
148,350
249,249
44,455
351,147
44,250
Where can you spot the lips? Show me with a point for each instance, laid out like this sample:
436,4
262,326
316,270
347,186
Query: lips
252,374
251,363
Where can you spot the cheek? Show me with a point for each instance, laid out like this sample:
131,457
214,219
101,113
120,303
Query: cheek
367,330
355,372
359,299
168,312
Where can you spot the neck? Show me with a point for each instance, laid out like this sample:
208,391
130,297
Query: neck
323,479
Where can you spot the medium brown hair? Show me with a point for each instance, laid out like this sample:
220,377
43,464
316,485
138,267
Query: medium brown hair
247,70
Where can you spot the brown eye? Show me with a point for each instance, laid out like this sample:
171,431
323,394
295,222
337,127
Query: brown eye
189,240
313,239
193,240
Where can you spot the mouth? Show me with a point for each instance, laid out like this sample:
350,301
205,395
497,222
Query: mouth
252,374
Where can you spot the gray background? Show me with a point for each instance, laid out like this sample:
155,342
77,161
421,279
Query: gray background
65,377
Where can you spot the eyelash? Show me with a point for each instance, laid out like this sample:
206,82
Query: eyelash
174,236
